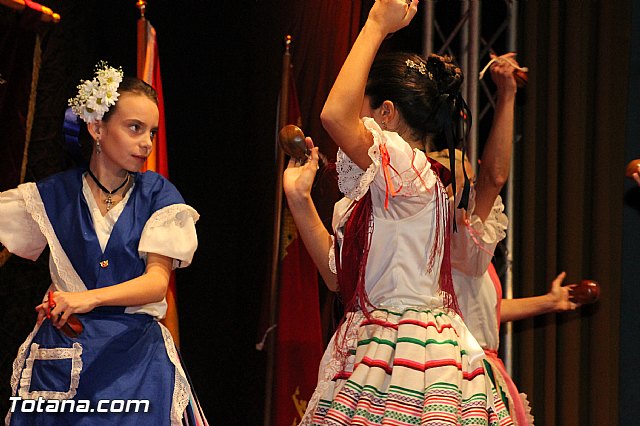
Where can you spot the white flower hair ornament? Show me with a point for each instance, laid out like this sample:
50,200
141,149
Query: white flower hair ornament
96,96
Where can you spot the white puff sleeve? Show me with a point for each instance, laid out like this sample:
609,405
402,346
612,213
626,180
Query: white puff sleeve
19,232
409,170
171,232
473,245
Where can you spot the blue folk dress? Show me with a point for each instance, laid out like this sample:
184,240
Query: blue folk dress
124,353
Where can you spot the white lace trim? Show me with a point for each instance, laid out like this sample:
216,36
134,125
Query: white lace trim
352,180
181,389
69,278
37,353
527,409
23,377
332,256
174,214
17,366
502,383
494,227
333,366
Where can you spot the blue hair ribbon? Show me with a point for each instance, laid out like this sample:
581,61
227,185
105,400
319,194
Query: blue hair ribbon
71,131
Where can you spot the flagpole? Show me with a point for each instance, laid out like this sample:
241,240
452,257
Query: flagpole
283,109
142,38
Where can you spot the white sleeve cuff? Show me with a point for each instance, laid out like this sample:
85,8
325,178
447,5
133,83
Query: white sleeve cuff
171,232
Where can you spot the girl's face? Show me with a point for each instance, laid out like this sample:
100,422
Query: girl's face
127,137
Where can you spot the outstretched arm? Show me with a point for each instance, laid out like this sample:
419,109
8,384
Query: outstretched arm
341,113
557,300
297,182
496,155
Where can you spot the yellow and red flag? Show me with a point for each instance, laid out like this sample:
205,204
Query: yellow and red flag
299,342
149,72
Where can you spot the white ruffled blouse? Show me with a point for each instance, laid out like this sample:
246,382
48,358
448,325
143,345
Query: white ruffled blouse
396,273
404,233
170,232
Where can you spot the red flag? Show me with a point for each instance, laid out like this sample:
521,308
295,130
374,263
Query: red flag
299,343
149,72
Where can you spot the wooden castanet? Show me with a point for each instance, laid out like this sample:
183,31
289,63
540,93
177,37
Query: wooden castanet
521,78
291,140
632,168
73,327
588,291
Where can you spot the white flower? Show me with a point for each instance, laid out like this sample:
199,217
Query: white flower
111,96
96,96
110,77
86,88
89,115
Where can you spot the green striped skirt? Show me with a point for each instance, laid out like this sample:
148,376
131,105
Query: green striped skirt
408,366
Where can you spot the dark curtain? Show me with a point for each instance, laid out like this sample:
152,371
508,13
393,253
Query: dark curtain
569,204
22,282
630,295
17,46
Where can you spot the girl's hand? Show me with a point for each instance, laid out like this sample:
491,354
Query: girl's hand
392,15
67,303
503,73
298,177
559,295
636,175
43,311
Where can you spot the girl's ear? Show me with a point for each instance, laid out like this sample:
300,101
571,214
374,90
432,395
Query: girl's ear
95,128
390,114
387,109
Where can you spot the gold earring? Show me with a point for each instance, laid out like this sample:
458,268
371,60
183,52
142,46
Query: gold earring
98,147
383,125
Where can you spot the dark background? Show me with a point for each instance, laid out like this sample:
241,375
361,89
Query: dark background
221,67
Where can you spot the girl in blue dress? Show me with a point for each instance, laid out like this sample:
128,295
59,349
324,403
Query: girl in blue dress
114,236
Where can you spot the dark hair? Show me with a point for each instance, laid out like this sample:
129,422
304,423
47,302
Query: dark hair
418,88
136,86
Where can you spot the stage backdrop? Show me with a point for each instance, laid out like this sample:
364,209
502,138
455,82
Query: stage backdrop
569,209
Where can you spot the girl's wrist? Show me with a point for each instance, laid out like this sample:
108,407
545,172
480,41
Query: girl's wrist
373,28
93,299
550,303
298,198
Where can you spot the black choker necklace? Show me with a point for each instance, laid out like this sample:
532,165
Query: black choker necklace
109,200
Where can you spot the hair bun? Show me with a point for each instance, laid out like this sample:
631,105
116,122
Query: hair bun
446,73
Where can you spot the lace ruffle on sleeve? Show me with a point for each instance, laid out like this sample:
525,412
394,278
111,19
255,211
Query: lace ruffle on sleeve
332,255
352,180
494,228
473,245
171,232
396,168
19,232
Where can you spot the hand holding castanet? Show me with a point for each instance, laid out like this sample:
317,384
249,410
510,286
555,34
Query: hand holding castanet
73,327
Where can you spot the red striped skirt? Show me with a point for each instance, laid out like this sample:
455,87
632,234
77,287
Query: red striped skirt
413,366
